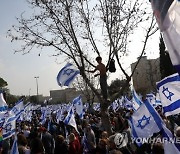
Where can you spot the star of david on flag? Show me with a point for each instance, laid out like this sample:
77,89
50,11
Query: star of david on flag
67,74
169,92
145,121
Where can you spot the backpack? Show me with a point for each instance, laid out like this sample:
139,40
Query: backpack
112,67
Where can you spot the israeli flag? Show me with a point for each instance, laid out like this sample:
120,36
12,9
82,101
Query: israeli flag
43,116
158,100
96,107
77,103
115,105
151,98
169,91
14,149
128,104
67,74
170,147
18,108
59,115
3,104
9,127
70,119
136,100
145,121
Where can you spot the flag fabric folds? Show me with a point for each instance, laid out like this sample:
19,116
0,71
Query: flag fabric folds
128,104
136,100
167,13
77,103
9,127
18,108
151,98
70,119
145,121
3,104
67,74
14,149
169,91
169,147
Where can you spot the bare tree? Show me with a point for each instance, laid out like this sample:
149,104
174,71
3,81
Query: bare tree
78,30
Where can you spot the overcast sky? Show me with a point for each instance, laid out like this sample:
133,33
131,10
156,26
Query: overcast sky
19,70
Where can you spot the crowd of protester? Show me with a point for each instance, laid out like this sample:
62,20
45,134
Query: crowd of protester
53,137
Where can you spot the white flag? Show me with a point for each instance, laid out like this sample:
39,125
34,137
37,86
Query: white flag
3,104
167,13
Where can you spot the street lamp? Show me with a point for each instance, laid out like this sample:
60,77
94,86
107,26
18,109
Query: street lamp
29,92
37,77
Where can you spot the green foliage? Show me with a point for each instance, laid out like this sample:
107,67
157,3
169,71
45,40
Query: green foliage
11,99
33,99
3,83
115,87
166,67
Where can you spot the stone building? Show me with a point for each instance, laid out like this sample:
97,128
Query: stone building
67,95
146,75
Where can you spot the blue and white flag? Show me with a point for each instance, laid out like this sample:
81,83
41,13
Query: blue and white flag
77,103
158,100
60,115
152,99
14,149
145,121
18,108
70,119
67,74
96,107
169,91
115,105
171,144
128,104
167,13
9,127
136,100
3,104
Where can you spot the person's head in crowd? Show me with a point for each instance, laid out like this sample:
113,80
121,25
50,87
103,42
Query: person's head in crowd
104,135
157,148
22,140
102,146
42,129
72,137
91,121
60,139
177,132
102,143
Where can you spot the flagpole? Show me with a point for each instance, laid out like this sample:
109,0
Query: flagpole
37,77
